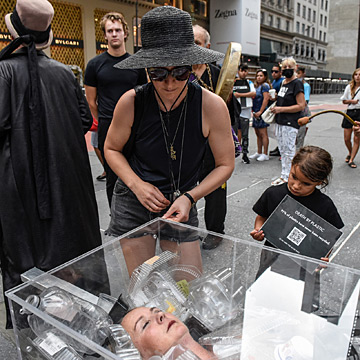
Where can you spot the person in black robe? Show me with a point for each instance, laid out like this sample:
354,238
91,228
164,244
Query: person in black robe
48,210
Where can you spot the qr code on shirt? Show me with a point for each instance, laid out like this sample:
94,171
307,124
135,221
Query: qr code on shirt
296,236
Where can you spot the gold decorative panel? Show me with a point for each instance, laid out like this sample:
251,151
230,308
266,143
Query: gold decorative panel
99,34
67,24
6,7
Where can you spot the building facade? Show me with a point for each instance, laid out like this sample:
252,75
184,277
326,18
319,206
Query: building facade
276,29
297,28
311,29
343,47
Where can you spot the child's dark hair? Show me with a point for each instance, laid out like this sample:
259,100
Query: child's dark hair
315,163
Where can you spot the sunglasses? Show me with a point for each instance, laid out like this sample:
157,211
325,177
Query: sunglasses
264,71
275,71
180,73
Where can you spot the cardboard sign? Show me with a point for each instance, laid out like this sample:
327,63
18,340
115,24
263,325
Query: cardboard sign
295,228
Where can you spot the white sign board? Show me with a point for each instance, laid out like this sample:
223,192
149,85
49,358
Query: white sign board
238,21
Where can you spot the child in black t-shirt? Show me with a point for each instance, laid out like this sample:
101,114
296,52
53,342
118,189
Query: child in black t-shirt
311,167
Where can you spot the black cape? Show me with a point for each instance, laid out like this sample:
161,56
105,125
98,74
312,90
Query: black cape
26,241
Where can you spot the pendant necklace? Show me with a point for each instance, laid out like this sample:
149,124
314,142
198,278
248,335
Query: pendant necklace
170,144
170,147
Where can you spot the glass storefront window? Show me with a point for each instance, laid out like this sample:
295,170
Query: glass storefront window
196,7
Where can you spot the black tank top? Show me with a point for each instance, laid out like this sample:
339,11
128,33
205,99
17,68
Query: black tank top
150,160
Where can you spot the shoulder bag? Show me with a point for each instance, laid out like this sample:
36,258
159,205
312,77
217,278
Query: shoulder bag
267,115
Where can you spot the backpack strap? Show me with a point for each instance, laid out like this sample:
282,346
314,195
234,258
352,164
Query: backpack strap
138,113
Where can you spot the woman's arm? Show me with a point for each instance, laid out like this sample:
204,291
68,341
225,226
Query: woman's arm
248,94
299,106
266,98
217,127
117,136
351,101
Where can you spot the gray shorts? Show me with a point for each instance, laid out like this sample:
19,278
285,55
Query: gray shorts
127,213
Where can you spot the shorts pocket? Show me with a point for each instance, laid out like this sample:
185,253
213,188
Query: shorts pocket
120,188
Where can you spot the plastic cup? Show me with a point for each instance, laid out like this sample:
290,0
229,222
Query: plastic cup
272,93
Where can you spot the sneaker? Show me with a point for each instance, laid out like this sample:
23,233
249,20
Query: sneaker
275,152
254,156
278,181
263,157
245,159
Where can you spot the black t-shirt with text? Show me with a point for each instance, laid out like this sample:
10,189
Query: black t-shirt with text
317,202
287,97
111,83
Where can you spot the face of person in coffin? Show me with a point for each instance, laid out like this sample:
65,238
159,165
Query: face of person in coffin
154,332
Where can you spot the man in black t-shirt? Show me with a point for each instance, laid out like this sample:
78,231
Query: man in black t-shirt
207,75
104,84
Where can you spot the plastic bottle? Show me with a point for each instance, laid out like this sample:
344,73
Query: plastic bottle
52,347
81,316
216,298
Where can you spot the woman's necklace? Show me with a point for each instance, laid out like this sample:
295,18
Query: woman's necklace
170,149
170,144
203,84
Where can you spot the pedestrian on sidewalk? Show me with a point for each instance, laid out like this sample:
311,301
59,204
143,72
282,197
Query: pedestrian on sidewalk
351,98
290,102
244,91
276,84
300,138
104,84
260,103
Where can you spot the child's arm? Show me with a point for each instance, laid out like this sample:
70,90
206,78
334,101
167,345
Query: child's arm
258,234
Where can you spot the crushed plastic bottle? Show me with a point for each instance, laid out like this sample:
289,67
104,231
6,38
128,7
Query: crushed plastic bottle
216,298
52,347
80,315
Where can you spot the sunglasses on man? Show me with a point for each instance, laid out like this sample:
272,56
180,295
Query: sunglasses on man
275,71
180,73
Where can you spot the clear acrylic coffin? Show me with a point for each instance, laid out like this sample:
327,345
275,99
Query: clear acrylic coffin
242,300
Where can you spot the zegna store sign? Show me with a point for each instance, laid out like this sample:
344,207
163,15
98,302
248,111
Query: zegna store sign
72,43
235,20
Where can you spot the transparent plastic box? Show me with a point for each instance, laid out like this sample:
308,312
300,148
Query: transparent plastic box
274,304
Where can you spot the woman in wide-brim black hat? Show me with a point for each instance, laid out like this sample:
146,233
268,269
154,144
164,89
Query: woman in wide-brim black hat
158,168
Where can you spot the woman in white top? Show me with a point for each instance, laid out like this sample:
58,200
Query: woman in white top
351,97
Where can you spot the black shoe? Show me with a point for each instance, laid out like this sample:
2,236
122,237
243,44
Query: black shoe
211,242
275,152
245,159
101,177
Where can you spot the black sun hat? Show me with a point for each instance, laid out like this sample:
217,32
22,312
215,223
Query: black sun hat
167,39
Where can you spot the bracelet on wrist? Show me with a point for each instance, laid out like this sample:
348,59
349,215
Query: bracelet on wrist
190,198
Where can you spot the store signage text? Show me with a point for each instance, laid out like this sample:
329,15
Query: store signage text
101,46
250,14
73,43
5,36
224,14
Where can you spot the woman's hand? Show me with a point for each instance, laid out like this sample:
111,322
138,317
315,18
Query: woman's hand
276,110
257,114
151,197
179,210
257,235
